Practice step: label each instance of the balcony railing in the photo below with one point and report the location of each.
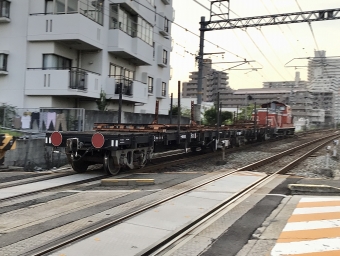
(126, 85)
(78, 79)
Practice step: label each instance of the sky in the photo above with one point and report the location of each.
(269, 47)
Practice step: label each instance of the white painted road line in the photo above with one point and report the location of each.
(312, 230)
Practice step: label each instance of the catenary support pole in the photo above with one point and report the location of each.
(218, 116)
(200, 70)
(179, 108)
(171, 105)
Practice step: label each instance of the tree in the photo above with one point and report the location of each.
(210, 116)
(185, 112)
(246, 112)
(102, 102)
(7, 112)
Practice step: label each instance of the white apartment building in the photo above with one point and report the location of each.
(213, 81)
(323, 77)
(63, 53)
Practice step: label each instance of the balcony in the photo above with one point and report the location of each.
(166, 2)
(73, 82)
(76, 30)
(132, 91)
(130, 48)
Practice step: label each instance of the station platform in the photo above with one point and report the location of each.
(312, 230)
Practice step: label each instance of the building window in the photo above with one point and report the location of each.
(166, 25)
(49, 6)
(130, 23)
(61, 6)
(165, 57)
(123, 77)
(163, 89)
(3, 62)
(92, 9)
(4, 8)
(150, 84)
(154, 49)
(52, 61)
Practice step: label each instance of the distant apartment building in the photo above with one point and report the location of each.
(286, 84)
(64, 53)
(213, 82)
(323, 80)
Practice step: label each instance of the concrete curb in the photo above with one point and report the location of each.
(297, 189)
(127, 182)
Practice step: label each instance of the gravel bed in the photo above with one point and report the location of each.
(313, 167)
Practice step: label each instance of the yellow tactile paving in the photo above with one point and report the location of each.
(312, 230)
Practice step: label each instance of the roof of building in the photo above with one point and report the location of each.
(267, 90)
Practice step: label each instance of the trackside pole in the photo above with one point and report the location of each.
(171, 105)
(327, 156)
(179, 113)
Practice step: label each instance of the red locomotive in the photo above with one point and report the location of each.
(275, 115)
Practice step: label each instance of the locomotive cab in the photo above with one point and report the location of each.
(275, 115)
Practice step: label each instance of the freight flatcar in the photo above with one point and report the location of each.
(132, 146)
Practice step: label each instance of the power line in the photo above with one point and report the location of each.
(289, 28)
(279, 27)
(253, 43)
(187, 30)
(310, 26)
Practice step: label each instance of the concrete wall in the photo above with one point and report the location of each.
(31, 153)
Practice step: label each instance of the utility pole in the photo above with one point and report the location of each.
(200, 71)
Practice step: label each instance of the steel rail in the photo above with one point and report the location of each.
(52, 246)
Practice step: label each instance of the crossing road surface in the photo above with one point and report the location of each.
(312, 230)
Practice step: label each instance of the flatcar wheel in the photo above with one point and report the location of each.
(109, 165)
(79, 166)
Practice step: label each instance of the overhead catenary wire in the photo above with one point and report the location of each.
(249, 38)
(310, 27)
(187, 30)
(255, 44)
(289, 28)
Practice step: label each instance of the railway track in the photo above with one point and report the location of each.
(162, 245)
(261, 166)
(160, 162)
